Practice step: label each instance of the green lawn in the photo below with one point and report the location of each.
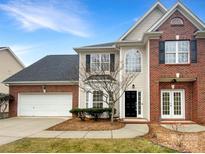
(30, 145)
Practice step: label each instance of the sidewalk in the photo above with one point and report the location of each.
(129, 131)
(191, 128)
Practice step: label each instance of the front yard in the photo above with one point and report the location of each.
(30, 145)
(76, 124)
(183, 142)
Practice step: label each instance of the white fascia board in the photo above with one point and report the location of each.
(78, 50)
(42, 83)
(172, 10)
(162, 7)
(13, 54)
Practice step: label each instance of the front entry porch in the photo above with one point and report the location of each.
(132, 107)
(176, 101)
(133, 104)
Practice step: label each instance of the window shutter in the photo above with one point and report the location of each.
(112, 62)
(87, 63)
(161, 52)
(193, 47)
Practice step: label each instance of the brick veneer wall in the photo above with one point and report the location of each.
(15, 90)
(195, 103)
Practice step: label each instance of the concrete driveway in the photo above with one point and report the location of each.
(16, 128)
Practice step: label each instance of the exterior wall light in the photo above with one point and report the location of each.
(44, 89)
(177, 75)
(172, 86)
(133, 86)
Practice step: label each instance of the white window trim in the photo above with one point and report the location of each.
(177, 53)
(171, 116)
(140, 115)
(98, 101)
(141, 56)
(100, 55)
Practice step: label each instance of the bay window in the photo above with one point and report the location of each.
(177, 52)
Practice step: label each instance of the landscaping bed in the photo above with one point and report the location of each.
(184, 142)
(31, 145)
(76, 124)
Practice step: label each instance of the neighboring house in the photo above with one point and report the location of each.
(166, 48)
(9, 65)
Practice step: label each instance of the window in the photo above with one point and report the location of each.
(87, 99)
(177, 21)
(110, 97)
(177, 52)
(139, 100)
(97, 99)
(100, 62)
(133, 61)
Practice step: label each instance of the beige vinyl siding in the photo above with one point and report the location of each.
(141, 81)
(82, 93)
(8, 67)
(138, 32)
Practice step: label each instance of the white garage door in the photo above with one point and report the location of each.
(53, 104)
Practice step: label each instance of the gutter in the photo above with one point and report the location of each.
(41, 83)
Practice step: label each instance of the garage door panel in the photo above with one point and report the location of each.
(44, 104)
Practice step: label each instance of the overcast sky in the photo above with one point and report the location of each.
(36, 28)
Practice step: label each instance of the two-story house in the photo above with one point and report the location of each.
(166, 48)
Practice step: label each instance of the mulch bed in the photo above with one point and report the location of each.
(76, 124)
(184, 142)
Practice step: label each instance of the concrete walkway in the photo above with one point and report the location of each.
(185, 127)
(13, 129)
(129, 131)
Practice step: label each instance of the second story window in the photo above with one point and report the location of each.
(177, 52)
(100, 62)
(133, 61)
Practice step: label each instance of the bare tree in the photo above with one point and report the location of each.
(4, 101)
(112, 83)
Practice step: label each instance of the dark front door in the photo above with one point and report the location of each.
(130, 104)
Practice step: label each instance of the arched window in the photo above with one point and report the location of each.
(133, 61)
(177, 21)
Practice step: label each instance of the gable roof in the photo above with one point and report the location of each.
(157, 5)
(52, 68)
(13, 54)
(185, 11)
(109, 44)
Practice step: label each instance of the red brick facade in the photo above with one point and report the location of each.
(15, 90)
(194, 91)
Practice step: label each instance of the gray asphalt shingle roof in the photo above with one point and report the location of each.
(49, 68)
(110, 44)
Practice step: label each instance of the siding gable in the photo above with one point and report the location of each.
(138, 32)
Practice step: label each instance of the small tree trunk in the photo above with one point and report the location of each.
(112, 114)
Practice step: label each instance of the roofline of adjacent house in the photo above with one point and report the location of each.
(142, 18)
(159, 22)
(41, 83)
(13, 54)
